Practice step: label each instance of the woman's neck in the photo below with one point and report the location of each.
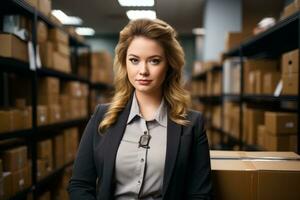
(148, 104)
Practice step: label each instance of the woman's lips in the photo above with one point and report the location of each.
(144, 82)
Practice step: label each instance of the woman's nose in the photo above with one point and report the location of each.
(144, 69)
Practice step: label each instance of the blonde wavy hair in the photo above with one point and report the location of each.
(176, 97)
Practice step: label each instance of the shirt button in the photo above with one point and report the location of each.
(139, 182)
(142, 160)
(145, 132)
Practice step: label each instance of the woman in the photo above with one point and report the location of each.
(145, 144)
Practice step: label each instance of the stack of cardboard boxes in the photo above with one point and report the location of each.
(279, 133)
(290, 9)
(48, 96)
(261, 76)
(13, 47)
(16, 118)
(71, 140)
(45, 158)
(231, 119)
(74, 100)
(16, 173)
(211, 85)
(101, 68)
(54, 48)
(44, 6)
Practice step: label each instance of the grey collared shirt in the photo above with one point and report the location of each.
(139, 171)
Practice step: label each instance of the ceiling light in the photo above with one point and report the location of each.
(65, 19)
(198, 31)
(127, 3)
(138, 14)
(85, 31)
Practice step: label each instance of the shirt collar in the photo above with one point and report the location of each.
(160, 115)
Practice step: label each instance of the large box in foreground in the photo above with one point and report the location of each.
(256, 176)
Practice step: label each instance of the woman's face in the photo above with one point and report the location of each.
(146, 65)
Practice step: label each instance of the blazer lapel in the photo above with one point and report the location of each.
(173, 140)
(114, 134)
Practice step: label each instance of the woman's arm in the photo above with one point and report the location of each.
(199, 182)
(82, 184)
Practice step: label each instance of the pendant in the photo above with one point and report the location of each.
(144, 141)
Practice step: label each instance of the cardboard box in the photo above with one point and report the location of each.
(255, 118)
(6, 121)
(251, 65)
(42, 115)
(84, 89)
(281, 142)
(290, 84)
(27, 117)
(41, 168)
(6, 186)
(20, 103)
(72, 89)
(71, 138)
(48, 86)
(261, 135)
(54, 113)
(57, 35)
(291, 9)
(20, 180)
(18, 122)
(281, 123)
(42, 32)
(61, 62)
(83, 107)
(15, 159)
(11, 120)
(46, 54)
(62, 48)
(33, 3)
(45, 7)
(251, 84)
(260, 180)
(64, 102)
(233, 39)
(290, 62)
(44, 152)
(50, 99)
(270, 80)
(13, 47)
(74, 105)
(58, 151)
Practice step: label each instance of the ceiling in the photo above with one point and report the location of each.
(108, 17)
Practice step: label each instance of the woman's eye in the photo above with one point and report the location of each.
(155, 61)
(133, 60)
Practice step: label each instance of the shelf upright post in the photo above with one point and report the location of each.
(298, 107)
(241, 96)
(33, 139)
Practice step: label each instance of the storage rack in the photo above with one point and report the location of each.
(281, 38)
(10, 65)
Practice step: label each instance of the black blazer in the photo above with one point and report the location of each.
(187, 172)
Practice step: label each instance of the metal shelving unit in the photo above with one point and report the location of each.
(281, 38)
(36, 133)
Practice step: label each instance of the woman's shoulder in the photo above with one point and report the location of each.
(101, 109)
(193, 115)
